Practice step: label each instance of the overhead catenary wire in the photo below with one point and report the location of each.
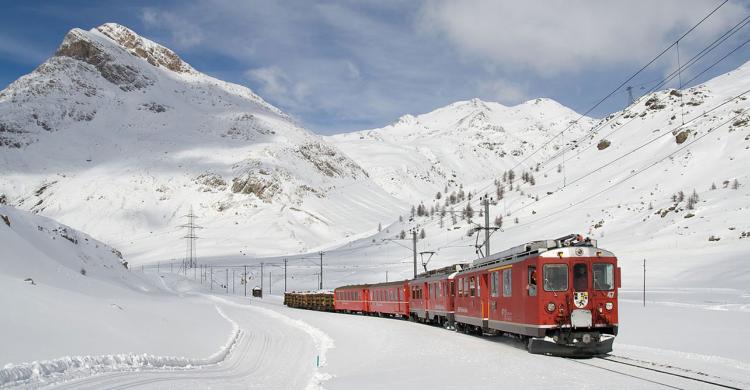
(714, 44)
(624, 83)
(513, 212)
(745, 21)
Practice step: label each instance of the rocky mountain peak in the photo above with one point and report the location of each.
(156, 55)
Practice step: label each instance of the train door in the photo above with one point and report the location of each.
(530, 303)
(484, 295)
(581, 314)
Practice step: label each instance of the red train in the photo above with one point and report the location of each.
(560, 295)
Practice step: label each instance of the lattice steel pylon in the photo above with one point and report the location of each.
(191, 258)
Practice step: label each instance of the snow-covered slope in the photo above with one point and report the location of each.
(463, 143)
(117, 136)
(66, 294)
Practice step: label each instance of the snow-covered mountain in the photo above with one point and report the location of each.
(116, 135)
(463, 143)
(642, 182)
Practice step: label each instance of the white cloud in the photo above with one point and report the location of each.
(278, 86)
(503, 91)
(183, 33)
(559, 36)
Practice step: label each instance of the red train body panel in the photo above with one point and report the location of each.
(351, 298)
(390, 298)
(433, 295)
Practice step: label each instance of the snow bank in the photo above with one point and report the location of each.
(77, 366)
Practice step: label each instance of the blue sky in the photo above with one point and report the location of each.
(343, 65)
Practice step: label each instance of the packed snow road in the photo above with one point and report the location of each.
(268, 344)
(279, 348)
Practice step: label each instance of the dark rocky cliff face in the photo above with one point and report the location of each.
(78, 47)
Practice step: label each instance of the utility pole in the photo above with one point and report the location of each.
(386, 276)
(486, 225)
(212, 278)
(270, 283)
(261, 280)
(644, 282)
(232, 281)
(414, 242)
(244, 280)
(321, 270)
(285, 260)
(226, 283)
(629, 88)
(191, 259)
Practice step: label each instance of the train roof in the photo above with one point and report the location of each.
(534, 248)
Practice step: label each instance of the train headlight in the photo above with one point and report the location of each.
(609, 306)
(551, 307)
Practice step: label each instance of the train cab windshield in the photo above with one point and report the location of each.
(580, 277)
(604, 276)
(555, 277)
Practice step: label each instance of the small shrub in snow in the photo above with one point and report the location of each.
(83, 271)
(5, 219)
(713, 238)
(735, 184)
(713, 186)
(603, 144)
(692, 201)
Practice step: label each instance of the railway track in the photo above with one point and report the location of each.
(615, 363)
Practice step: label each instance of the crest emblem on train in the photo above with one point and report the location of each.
(581, 299)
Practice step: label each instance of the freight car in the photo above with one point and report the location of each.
(317, 300)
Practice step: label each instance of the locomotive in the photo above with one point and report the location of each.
(559, 296)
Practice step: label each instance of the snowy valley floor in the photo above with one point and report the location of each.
(694, 333)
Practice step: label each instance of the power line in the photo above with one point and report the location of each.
(602, 100)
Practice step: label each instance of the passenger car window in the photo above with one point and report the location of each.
(493, 284)
(604, 276)
(507, 282)
(460, 287)
(580, 277)
(555, 277)
(471, 286)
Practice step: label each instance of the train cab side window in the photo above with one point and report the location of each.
(555, 277)
(580, 277)
(453, 288)
(604, 276)
(507, 290)
(460, 288)
(466, 287)
(532, 281)
(472, 286)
